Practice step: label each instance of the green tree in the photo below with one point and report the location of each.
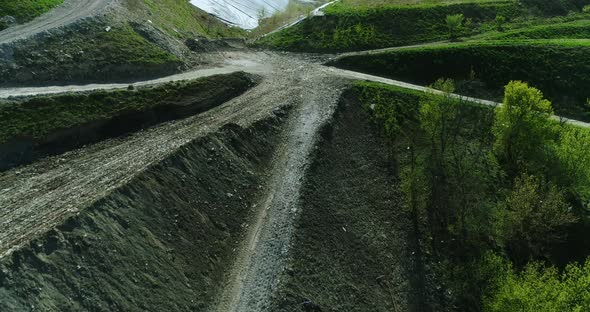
(534, 216)
(460, 165)
(522, 128)
(454, 24)
(573, 153)
(538, 288)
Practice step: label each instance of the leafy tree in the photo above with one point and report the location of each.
(522, 127)
(538, 288)
(533, 217)
(461, 168)
(454, 24)
(573, 153)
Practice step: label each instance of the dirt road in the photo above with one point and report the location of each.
(261, 260)
(67, 13)
(248, 62)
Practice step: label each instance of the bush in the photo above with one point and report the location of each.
(454, 23)
(533, 218)
(573, 152)
(522, 127)
(538, 288)
(500, 21)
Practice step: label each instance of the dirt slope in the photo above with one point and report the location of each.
(262, 257)
(352, 244)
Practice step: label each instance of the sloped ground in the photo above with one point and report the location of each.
(154, 219)
(108, 40)
(117, 225)
(68, 12)
(352, 246)
(160, 242)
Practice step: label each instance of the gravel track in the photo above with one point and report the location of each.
(261, 260)
(68, 12)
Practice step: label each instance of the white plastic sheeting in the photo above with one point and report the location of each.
(242, 13)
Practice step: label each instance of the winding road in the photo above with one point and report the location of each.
(68, 12)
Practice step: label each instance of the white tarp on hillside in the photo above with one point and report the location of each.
(243, 13)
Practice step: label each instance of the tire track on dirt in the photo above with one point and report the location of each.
(254, 276)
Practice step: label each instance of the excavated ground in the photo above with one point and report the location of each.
(200, 214)
(351, 247)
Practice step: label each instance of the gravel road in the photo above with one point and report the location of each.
(70, 11)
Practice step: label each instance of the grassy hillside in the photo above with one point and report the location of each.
(87, 53)
(26, 10)
(348, 28)
(557, 30)
(560, 68)
(180, 19)
(145, 40)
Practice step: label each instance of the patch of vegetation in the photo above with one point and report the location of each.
(537, 288)
(294, 10)
(26, 10)
(490, 190)
(568, 30)
(38, 117)
(345, 28)
(557, 67)
(181, 19)
(552, 7)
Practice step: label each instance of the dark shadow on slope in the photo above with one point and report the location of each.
(353, 248)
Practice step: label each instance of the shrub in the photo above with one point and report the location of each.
(454, 23)
(573, 152)
(500, 21)
(538, 288)
(533, 218)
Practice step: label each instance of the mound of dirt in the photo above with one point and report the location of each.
(351, 249)
(160, 243)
